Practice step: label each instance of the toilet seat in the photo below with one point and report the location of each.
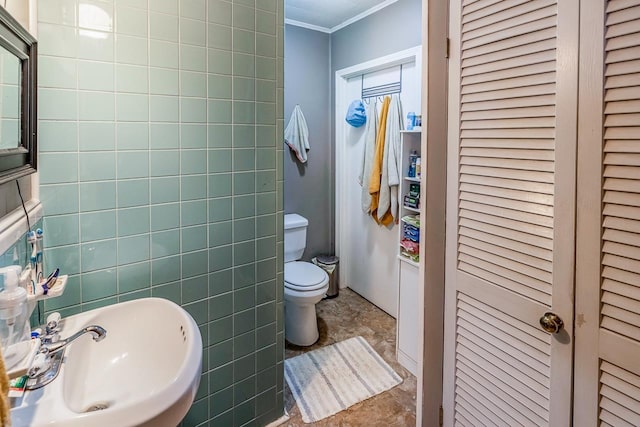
(304, 277)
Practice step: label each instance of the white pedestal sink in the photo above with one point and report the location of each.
(144, 373)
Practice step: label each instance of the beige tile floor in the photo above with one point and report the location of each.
(347, 316)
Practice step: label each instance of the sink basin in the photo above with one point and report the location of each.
(144, 373)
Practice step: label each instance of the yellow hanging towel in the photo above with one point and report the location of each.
(5, 413)
(376, 170)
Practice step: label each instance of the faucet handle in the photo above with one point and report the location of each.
(52, 323)
(41, 364)
(51, 329)
(54, 317)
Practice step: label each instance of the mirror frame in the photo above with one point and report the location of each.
(22, 160)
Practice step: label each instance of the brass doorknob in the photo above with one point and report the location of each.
(551, 323)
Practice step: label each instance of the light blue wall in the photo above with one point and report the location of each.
(395, 28)
(161, 175)
(307, 71)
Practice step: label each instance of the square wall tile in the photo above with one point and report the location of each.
(56, 168)
(99, 255)
(134, 277)
(134, 192)
(164, 190)
(98, 225)
(131, 21)
(60, 198)
(98, 166)
(99, 284)
(54, 72)
(57, 136)
(62, 230)
(133, 249)
(96, 136)
(133, 221)
(132, 50)
(132, 107)
(163, 54)
(164, 135)
(194, 187)
(163, 27)
(132, 136)
(94, 75)
(97, 196)
(165, 243)
(133, 164)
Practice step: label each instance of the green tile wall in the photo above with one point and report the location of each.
(161, 175)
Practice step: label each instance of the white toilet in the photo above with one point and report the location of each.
(305, 284)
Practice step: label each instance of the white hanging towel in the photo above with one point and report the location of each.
(367, 157)
(296, 135)
(391, 162)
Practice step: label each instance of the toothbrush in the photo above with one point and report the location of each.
(39, 269)
(50, 282)
(31, 238)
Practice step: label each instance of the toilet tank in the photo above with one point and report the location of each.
(295, 236)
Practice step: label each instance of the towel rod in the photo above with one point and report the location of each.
(381, 90)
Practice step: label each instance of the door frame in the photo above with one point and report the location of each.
(342, 76)
(435, 23)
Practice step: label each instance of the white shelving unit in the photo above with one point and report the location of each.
(408, 304)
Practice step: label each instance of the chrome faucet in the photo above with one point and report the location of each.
(98, 335)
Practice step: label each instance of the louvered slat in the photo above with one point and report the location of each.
(500, 242)
(508, 203)
(516, 25)
(620, 394)
(521, 102)
(521, 258)
(624, 15)
(621, 68)
(626, 199)
(502, 376)
(520, 40)
(615, 5)
(530, 378)
(621, 209)
(615, 287)
(500, 191)
(509, 113)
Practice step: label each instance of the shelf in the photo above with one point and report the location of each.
(411, 209)
(56, 291)
(412, 179)
(408, 261)
(410, 223)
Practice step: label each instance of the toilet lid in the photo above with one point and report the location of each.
(304, 276)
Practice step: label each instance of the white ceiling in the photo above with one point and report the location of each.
(330, 15)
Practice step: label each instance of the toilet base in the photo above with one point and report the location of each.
(300, 324)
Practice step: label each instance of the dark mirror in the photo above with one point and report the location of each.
(18, 59)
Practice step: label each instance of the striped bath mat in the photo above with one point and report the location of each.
(327, 380)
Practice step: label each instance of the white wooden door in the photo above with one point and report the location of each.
(607, 335)
(510, 211)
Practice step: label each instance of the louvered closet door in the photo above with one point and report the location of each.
(511, 211)
(607, 362)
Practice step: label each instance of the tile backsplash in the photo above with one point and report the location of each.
(160, 124)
